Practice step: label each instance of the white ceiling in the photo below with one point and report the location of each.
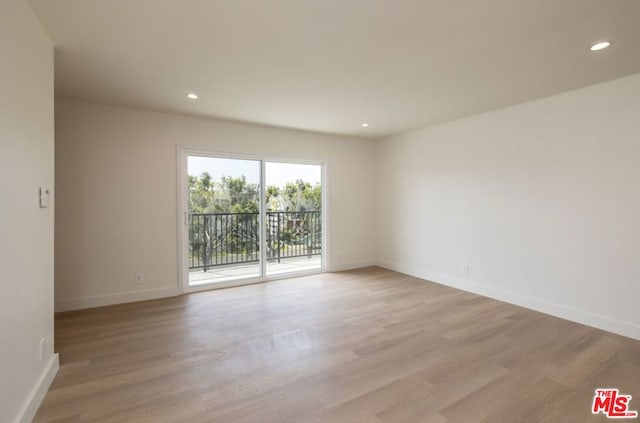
(329, 65)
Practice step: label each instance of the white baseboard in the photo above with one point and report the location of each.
(627, 329)
(352, 265)
(33, 401)
(120, 298)
(152, 294)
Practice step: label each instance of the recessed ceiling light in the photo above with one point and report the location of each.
(365, 124)
(600, 46)
(192, 96)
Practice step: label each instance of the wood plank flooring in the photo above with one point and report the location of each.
(368, 345)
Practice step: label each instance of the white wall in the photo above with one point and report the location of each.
(116, 191)
(26, 231)
(540, 200)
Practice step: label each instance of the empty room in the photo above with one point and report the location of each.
(358, 211)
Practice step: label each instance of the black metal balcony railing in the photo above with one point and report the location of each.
(218, 239)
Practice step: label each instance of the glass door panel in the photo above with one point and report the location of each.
(293, 217)
(224, 242)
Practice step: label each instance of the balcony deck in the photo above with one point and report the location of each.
(251, 270)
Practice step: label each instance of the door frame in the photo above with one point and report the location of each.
(182, 217)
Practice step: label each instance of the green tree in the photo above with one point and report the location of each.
(294, 196)
(241, 233)
(229, 194)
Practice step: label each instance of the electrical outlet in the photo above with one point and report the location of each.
(139, 277)
(45, 347)
(466, 271)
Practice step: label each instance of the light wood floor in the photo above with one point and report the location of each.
(368, 345)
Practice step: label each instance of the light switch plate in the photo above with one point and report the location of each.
(44, 198)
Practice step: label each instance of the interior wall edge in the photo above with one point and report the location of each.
(37, 394)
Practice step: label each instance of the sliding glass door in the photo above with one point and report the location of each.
(293, 218)
(223, 219)
(245, 220)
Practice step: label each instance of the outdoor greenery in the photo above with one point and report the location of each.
(217, 237)
(294, 196)
(236, 195)
(229, 194)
